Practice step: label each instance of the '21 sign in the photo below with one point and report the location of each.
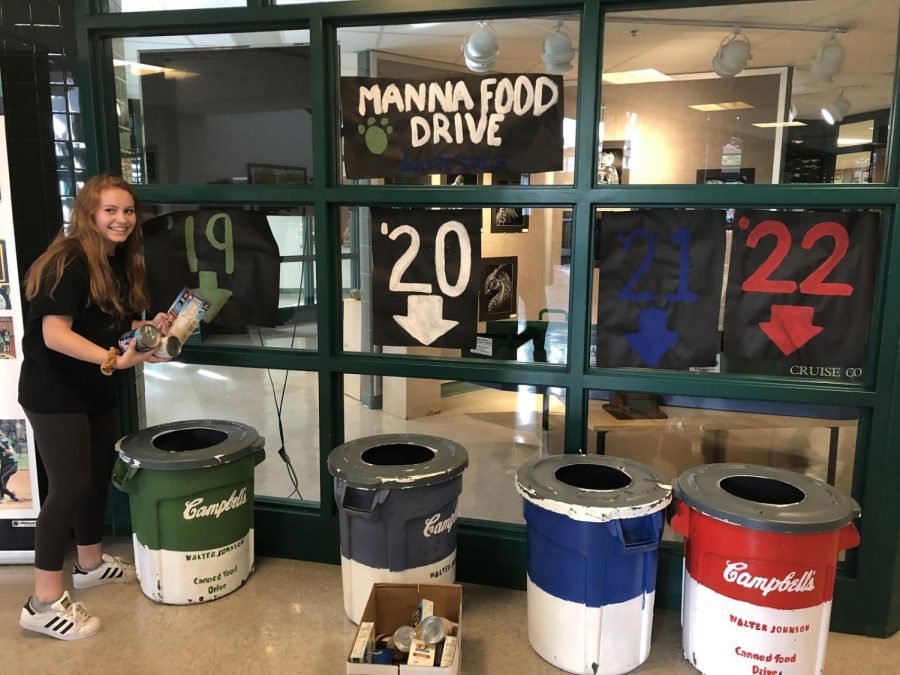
(424, 291)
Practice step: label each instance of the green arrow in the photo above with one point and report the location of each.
(215, 296)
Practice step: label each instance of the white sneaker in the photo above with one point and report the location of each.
(113, 569)
(65, 619)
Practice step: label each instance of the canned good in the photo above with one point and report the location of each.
(169, 347)
(403, 638)
(147, 337)
(434, 629)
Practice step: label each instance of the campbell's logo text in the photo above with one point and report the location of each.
(196, 509)
(736, 573)
(434, 524)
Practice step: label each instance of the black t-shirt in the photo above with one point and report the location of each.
(51, 382)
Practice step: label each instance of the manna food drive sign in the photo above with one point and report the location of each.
(470, 124)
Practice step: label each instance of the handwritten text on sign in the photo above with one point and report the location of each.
(660, 288)
(423, 289)
(800, 289)
(467, 124)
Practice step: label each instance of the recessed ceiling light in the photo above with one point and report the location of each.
(770, 125)
(714, 107)
(635, 76)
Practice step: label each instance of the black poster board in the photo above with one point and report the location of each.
(801, 287)
(425, 276)
(229, 257)
(660, 288)
(466, 124)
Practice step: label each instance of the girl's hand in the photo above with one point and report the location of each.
(132, 357)
(163, 322)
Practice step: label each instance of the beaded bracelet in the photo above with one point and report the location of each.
(108, 367)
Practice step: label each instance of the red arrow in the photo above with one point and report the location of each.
(790, 327)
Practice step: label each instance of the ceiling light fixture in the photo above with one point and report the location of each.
(558, 50)
(481, 49)
(635, 76)
(828, 60)
(732, 55)
(835, 111)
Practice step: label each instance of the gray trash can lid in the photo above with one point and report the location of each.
(765, 498)
(189, 444)
(397, 461)
(593, 488)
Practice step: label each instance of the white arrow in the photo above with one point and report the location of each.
(424, 318)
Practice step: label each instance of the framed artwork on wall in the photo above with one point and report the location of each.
(612, 167)
(725, 176)
(497, 292)
(509, 219)
(456, 179)
(275, 174)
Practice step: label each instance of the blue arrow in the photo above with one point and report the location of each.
(652, 339)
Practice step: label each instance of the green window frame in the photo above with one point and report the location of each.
(861, 604)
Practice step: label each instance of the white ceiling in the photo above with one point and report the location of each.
(633, 41)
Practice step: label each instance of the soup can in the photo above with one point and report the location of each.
(403, 638)
(147, 336)
(434, 629)
(169, 347)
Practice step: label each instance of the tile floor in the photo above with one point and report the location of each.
(289, 618)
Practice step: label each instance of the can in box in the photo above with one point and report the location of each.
(761, 547)
(594, 525)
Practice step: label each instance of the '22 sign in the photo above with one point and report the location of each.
(660, 286)
(424, 291)
(801, 286)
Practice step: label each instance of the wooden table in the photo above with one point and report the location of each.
(717, 423)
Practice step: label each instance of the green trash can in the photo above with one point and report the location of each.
(190, 487)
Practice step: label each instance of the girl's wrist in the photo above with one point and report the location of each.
(110, 364)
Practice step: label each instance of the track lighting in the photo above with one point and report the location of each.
(732, 55)
(558, 50)
(828, 60)
(481, 49)
(835, 111)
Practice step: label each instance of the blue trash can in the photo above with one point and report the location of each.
(396, 496)
(594, 525)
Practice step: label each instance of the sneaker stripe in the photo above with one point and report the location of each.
(107, 572)
(51, 624)
(65, 630)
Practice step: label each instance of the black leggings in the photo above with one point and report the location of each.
(6, 473)
(77, 451)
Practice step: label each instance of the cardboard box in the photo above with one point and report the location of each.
(392, 605)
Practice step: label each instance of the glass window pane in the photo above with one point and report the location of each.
(176, 391)
(292, 232)
(500, 426)
(182, 121)
(432, 52)
(766, 292)
(772, 117)
(673, 433)
(515, 305)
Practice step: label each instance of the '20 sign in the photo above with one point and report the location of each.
(424, 286)
(814, 283)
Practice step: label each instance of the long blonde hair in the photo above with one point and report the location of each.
(84, 237)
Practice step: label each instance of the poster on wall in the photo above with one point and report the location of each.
(467, 124)
(425, 276)
(800, 290)
(228, 257)
(660, 285)
(19, 500)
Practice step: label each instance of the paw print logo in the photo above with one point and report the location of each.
(376, 134)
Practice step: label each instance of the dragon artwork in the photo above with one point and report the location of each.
(498, 288)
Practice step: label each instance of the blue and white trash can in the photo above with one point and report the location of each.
(396, 496)
(594, 526)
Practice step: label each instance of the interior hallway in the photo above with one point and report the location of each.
(289, 618)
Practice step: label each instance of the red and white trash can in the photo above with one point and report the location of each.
(761, 547)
